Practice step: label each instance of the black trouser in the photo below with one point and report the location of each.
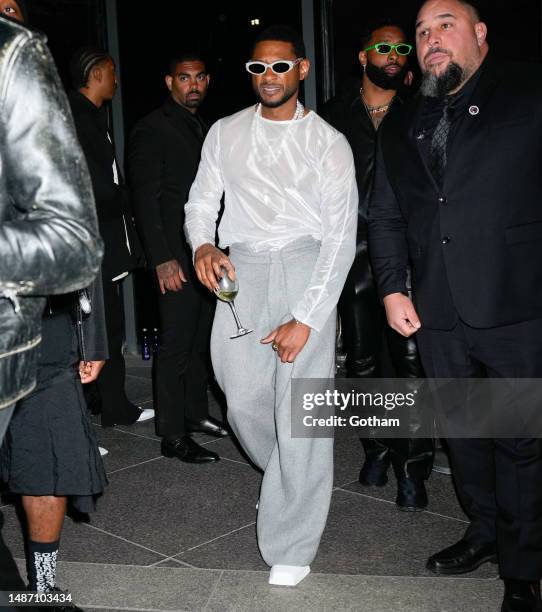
(499, 481)
(181, 365)
(364, 330)
(115, 406)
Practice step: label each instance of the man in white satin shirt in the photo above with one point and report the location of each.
(290, 223)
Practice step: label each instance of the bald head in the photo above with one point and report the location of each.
(467, 9)
(470, 8)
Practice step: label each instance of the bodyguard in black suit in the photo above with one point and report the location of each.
(459, 192)
(164, 153)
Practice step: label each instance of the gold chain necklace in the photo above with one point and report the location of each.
(373, 110)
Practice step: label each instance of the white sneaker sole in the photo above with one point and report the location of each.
(288, 575)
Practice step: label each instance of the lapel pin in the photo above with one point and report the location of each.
(474, 110)
(420, 136)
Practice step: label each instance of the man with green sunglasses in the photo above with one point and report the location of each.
(359, 113)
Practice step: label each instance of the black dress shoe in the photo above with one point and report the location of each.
(187, 450)
(209, 426)
(461, 558)
(411, 495)
(521, 596)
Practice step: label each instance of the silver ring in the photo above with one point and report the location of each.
(275, 347)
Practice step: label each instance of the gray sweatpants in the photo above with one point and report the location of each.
(298, 473)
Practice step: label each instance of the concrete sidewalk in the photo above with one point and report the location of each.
(175, 536)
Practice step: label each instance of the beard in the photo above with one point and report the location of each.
(193, 102)
(382, 79)
(438, 86)
(287, 95)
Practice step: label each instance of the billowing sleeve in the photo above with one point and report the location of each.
(49, 243)
(339, 214)
(203, 206)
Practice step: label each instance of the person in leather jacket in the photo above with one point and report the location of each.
(49, 240)
(358, 113)
(49, 244)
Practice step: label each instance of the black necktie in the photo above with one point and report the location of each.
(439, 142)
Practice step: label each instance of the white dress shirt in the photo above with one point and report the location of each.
(282, 180)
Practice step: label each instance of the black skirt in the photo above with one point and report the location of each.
(50, 447)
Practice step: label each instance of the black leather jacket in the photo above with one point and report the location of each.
(49, 241)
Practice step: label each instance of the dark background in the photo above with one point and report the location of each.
(68, 24)
(221, 30)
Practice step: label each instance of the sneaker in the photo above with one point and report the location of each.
(146, 415)
(288, 575)
(103, 451)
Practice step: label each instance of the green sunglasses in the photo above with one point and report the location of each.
(386, 48)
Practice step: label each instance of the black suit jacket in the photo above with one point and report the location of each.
(476, 244)
(163, 158)
(112, 201)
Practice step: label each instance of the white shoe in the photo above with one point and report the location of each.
(103, 451)
(146, 415)
(288, 575)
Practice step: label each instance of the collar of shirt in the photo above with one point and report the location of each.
(460, 99)
(180, 113)
(433, 107)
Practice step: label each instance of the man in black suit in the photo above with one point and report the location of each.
(94, 81)
(164, 154)
(458, 191)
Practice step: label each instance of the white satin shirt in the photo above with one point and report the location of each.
(282, 180)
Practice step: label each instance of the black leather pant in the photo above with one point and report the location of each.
(364, 332)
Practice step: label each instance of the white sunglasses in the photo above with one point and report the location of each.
(278, 67)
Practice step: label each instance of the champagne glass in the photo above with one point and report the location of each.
(226, 291)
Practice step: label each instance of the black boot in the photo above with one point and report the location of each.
(411, 495)
(377, 461)
(412, 460)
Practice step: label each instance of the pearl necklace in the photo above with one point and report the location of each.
(299, 110)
